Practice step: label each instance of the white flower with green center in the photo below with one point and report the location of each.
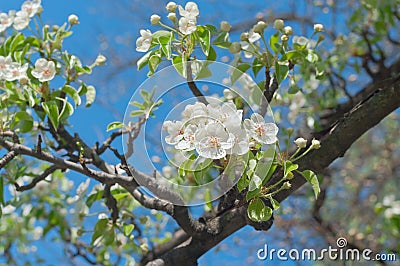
(187, 142)
(175, 131)
(44, 70)
(143, 43)
(264, 133)
(212, 141)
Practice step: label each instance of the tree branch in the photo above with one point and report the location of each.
(37, 179)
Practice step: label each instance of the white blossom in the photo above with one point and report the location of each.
(187, 25)
(175, 131)
(187, 142)
(191, 10)
(31, 7)
(6, 20)
(227, 114)
(279, 24)
(253, 36)
(82, 188)
(21, 20)
(16, 72)
(264, 133)
(44, 70)
(240, 142)
(143, 43)
(213, 141)
(5, 63)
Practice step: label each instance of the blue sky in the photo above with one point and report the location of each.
(102, 20)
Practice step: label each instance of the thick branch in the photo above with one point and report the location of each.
(353, 125)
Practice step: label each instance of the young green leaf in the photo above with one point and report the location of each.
(312, 178)
(281, 71)
(258, 212)
(23, 121)
(128, 228)
(73, 94)
(204, 36)
(51, 109)
(114, 125)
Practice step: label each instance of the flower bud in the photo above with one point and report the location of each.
(288, 30)
(259, 27)
(23, 80)
(172, 16)
(315, 144)
(290, 131)
(225, 26)
(286, 185)
(73, 19)
(278, 24)
(171, 6)
(55, 28)
(228, 94)
(235, 48)
(301, 143)
(155, 19)
(244, 36)
(284, 38)
(318, 27)
(100, 60)
(289, 176)
(321, 38)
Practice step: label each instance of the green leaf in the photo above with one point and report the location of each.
(51, 109)
(294, 88)
(144, 60)
(99, 229)
(66, 111)
(274, 42)
(275, 204)
(312, 178)
(128, 228)
(165, 44)
(94, 197)
(90, 95)
(137, 113)
(242, 183)
(161, 33)
(212, 55)
(238, 72)
(180, 65)
(255, 182)
(23, 121)
(252, 194)
(114, 125)
(258, 212)
(154, 61)
(204, 36)
(289, 167)
(257, 66)
(281, 71)
(73, 94)
(120, 196)
(222, 40)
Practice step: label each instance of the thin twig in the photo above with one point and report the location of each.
(37, 179)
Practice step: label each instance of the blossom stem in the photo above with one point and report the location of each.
(302, 155)
(170, 28)
(294, 154)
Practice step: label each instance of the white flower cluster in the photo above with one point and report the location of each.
(44, 70)
(20, 19)
(187, 23)
(217, 130)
